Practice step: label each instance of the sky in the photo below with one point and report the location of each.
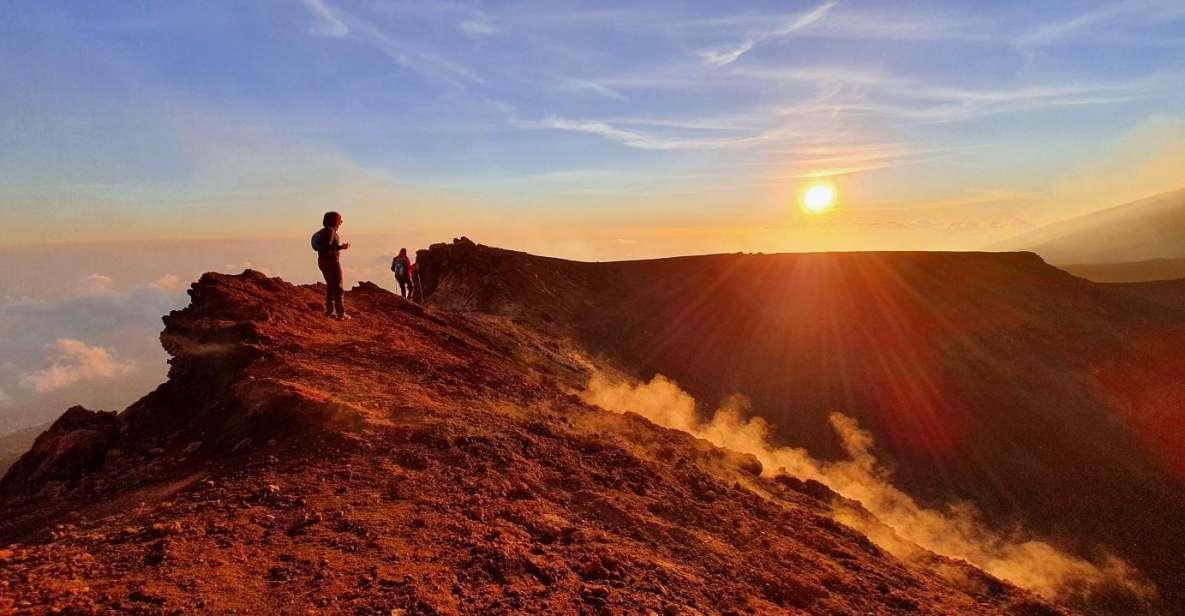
(142, 143)
(588, 130)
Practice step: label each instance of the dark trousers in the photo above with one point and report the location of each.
(332, 270)
(404, 285)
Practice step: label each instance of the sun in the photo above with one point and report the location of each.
(817, 198)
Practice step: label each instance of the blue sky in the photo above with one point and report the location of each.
(690, 126)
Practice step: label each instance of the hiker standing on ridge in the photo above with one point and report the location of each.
(329, 246)
(401, 265)
(413, 274)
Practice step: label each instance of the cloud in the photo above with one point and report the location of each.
(846, 159)
(804, 20)
(854, 91)
(76, 362)
(168, 282)
(5, 399)
(608, 131)
(899, 524)
(1108, 15)
(337, 23)
(97, 284)
(648, 141)
(592, 86)
(426, 63)
(327, 23)
(728, 55)
(848, 22)
(843, 96)
(103, 343)
(477, 28)
(898, 24)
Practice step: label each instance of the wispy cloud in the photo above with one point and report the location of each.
(577, 85)
(1106, 16)
(846, 159)
(338, 23)
(739, 121)
(842, 93)
(580, 175)
(651, 141)
(845, 22)
(819, 75)
(427, 63)
(857, 91)
(899, 23)
(728, 55)
(477, 29)
(327, 24)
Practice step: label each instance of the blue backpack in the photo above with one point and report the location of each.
(318, 241)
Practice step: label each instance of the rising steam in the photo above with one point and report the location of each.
(956, 531)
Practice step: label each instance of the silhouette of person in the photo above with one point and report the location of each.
(329, 246)
(401, 265)
(414, 282)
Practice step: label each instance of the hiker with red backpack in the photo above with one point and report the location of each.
(402, 267)
(329, 246)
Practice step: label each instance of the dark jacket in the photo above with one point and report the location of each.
(332, 244)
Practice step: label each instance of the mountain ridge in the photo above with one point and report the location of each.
(1046, 400)
(414, 461)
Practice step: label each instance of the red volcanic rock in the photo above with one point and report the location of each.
(1047, 401)
(75, 444)
(413, 461)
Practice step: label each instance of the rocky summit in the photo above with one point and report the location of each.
(421, 460)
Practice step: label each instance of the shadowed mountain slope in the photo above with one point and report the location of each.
(1043, 399)
(420, 462)
(1168, 293)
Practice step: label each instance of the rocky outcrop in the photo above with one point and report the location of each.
(211, 396)
(474, 277)
(76, 443)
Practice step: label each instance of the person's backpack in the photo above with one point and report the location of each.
(399, 267)
(318, 241)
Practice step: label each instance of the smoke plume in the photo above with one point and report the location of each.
(956, 531)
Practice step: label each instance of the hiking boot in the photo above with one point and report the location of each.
(343, 317)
